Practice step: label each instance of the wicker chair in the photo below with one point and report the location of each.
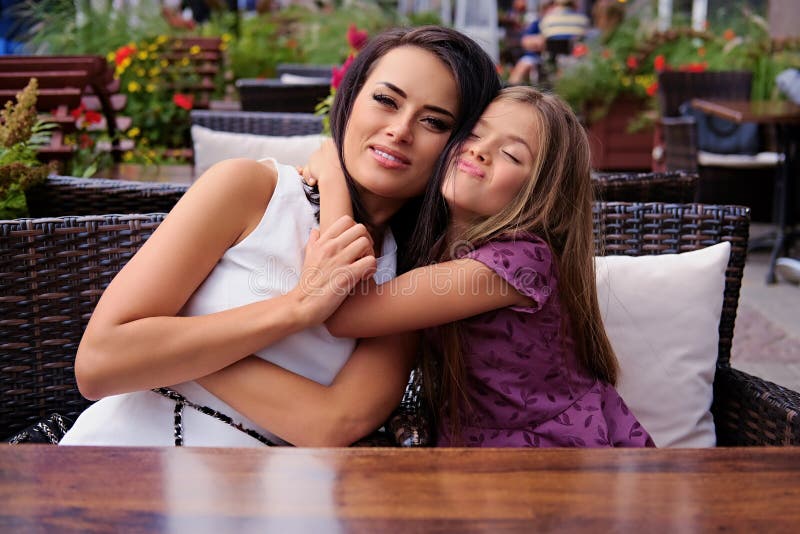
(719, 182)
(673, 186)
(274, 95)
(259, 122)
(302, 69)
(53, 271)
(64, 195)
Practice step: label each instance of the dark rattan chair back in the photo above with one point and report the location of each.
(673, 186)
(53, 271)
(302, 69)
(677, 87)
(274, 95)
(64, 195)
(259, 122)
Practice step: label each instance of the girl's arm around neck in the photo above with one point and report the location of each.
(306, 413)
(136, 341)
(422, 298)
(324, 167)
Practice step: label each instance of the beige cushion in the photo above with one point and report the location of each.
(662, 316)
(211, 146)
(739, 161)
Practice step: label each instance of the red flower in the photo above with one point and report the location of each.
(77, 112)
(659, 63)
(183, 101)
(356, 38)
(85, 141)
(729, 35)
(338, 72)
(92, 117)
(632, 62)
(122, 53)
(652, 89)
(580, 50)
(695, 67)
(606, 53)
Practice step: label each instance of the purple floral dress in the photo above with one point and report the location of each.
(525, 385)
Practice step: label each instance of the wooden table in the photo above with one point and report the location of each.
(785, 116)
(96, 489)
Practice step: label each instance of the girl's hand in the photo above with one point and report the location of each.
(323, 165)
(336, 261)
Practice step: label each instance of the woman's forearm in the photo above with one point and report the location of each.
(122, 358)
(306, 413)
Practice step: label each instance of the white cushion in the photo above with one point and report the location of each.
(662, 317)
(294, 79)
(211, 146)
(739, 161)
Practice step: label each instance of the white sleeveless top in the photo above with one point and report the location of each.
(265, 264)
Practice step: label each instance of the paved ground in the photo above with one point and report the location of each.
(766, 341)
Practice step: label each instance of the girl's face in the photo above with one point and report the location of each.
(401, 120)
(494, 163)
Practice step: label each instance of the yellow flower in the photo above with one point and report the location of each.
(134, 132)
(194, 50)
(226, 37)
(110, 56)
(150, 87)
(185, 62)
(127, 156)
(126, 63)
(140, 72)
(134, 87)
(164, 63)
(142, 55)
(223, 46)
(161, 39)
(152, 48)
(155, 71)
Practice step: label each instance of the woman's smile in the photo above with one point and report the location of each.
(388, 158)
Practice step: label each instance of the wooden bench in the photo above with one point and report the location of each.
(64, 83)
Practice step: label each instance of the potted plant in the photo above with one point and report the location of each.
(612, 82)
(21, 132)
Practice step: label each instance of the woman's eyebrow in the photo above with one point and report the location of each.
(402, 93)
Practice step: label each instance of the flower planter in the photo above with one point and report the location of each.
(613, 147)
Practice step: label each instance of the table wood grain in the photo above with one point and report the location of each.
(95, 489)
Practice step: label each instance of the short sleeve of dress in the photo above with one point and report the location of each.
(525, 262)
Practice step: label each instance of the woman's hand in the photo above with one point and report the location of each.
(336, 260)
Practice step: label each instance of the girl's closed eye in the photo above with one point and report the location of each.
(511, 156)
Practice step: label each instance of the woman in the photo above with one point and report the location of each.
(224, 276)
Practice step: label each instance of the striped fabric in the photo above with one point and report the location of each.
(564, 22)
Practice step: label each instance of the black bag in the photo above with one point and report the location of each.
(722, 136)
(49, 430)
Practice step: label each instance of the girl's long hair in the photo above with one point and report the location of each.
(555, 205)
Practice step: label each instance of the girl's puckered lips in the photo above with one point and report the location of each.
(470, 168)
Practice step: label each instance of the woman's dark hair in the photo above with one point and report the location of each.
(477, 82)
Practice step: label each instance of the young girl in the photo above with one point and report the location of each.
(521, 357)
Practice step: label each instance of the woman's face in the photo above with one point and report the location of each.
(401, 120)
(494, 163)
